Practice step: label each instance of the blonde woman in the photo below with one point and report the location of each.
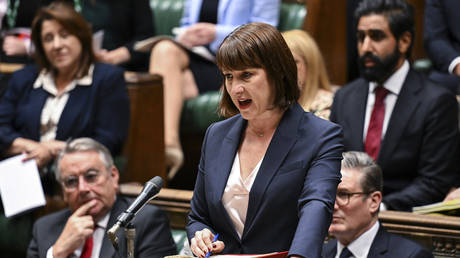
(315, 89)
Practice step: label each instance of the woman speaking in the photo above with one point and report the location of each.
(268, 175)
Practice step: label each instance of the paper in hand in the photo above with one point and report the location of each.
(20, 185)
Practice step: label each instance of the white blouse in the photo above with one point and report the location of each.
(236, 195)
(55, 103)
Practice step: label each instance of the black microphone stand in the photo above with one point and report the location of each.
(150, 190)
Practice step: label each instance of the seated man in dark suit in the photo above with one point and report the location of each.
(355, 220)
(90, 183)
(442, 41)
(405, 122)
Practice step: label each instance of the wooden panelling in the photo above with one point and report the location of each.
(418, 50)
(326, 22)
(144, 148)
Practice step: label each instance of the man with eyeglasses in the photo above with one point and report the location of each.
(355, 219)
(90, 183)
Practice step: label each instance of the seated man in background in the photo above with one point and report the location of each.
(442, 41)
(355, 220)
(90, 183)
(407, 124)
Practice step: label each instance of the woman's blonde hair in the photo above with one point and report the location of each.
(302, 44)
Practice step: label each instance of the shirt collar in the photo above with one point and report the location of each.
(360, 247)
(104, 221)
(395, 82)
(46, 80)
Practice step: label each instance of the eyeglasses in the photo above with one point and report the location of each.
(343, 198)
(91, 177)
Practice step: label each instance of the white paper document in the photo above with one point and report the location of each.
(20, 185)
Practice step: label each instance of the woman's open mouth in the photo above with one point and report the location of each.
(244, 103)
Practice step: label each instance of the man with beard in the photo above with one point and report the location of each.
(402, 120)
(89, 183)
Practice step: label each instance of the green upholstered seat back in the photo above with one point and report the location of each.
(167, 15)
(292, 16)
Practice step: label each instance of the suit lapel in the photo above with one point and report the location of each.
(72, 110)
(357, 114)
(279, 147)
(39, 97)
(380, 244)
(107, 249)
(330, 249)
(226, 156)
(406, 104)
(195, 7)
(221, 10)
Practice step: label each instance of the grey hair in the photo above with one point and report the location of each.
(371, 174)
(82, 145)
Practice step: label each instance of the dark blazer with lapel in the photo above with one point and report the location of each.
(442, 40)
(418, 153)
(385, 245)
(292, 198)
(153, 235)
(99, 111)
(442, 32)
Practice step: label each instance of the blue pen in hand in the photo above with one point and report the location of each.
(214, 240)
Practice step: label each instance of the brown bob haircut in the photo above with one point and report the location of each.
(259, 45)
(74, 24)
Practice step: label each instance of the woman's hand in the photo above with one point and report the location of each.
(453, 194)
(115, 57)
(198, 34)
(14, 46)
(40, 153)
(54, 146)
(202, 243)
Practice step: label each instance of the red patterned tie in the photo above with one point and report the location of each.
(374, 131)
(87, 248)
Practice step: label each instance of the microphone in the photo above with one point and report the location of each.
(150, 190)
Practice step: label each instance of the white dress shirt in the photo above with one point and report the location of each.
(55, 103)
(453, 64)
(393, 84)
(360, 246)
(98, 237)
(236, 195)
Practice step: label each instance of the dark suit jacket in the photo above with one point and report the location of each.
(153, 235)
(385, 245)
(292, 198)
(100, 111)
(418, 153)
(442, 32)
(124, 23)
(442, 39)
